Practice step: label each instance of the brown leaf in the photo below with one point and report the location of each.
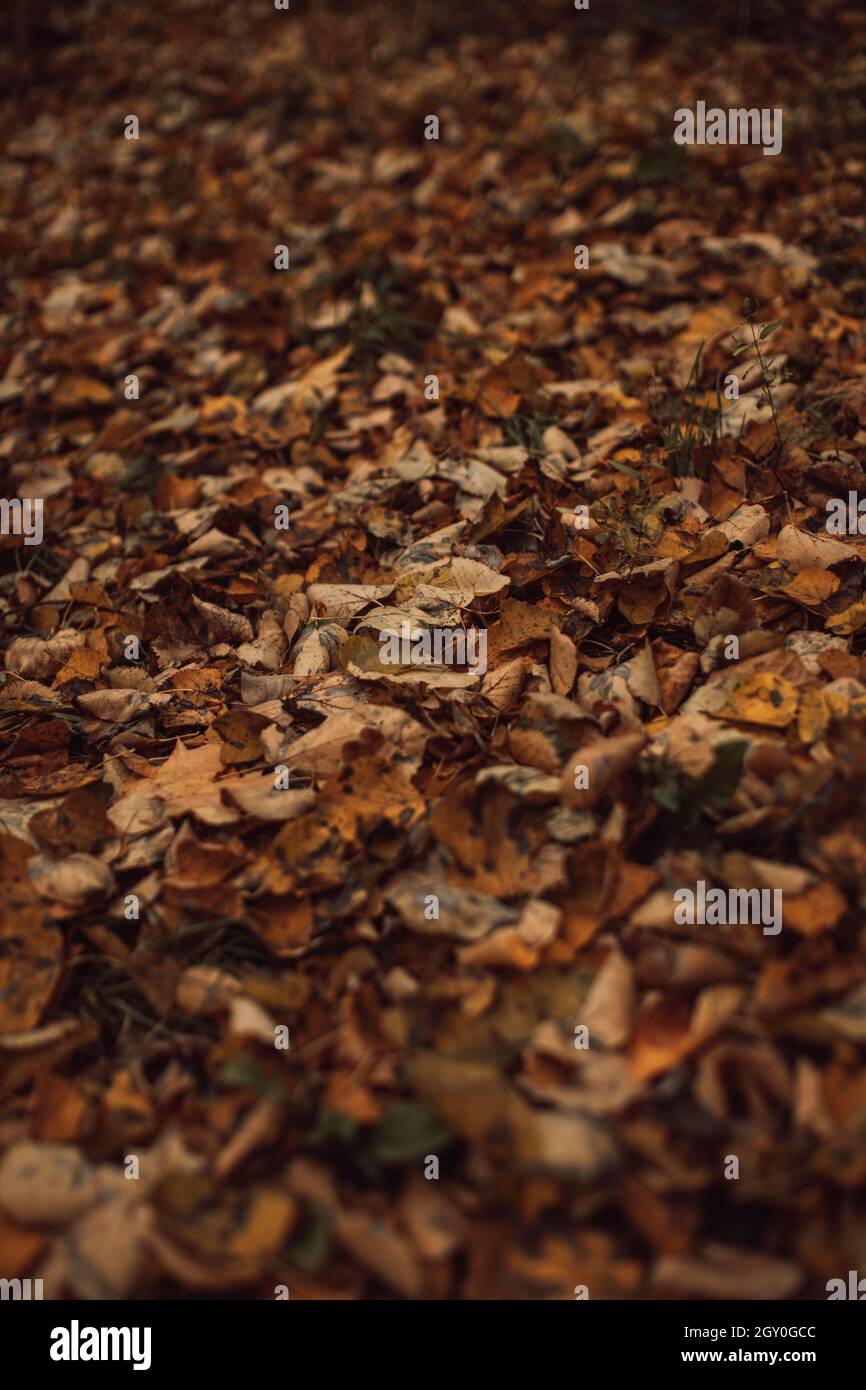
(563, 662)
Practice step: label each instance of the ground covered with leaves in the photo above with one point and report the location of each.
(285, 929)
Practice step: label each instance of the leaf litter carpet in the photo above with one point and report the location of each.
(360, 979)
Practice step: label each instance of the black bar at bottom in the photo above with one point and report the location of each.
(68, 1339)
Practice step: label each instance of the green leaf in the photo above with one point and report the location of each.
(666, 792)
(331, 1126)
(689, 797)
(243, 1073)
(769, 328)
(623, 468)
(312, 1248)
(715, 788)
(663, 164)
(409, 1130)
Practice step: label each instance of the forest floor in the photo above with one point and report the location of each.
(328, 968)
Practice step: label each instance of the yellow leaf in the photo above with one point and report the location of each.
(83, 665)
(762, 699)
(814, 716)
(818, 909)
(849, 620)
(812, 585)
